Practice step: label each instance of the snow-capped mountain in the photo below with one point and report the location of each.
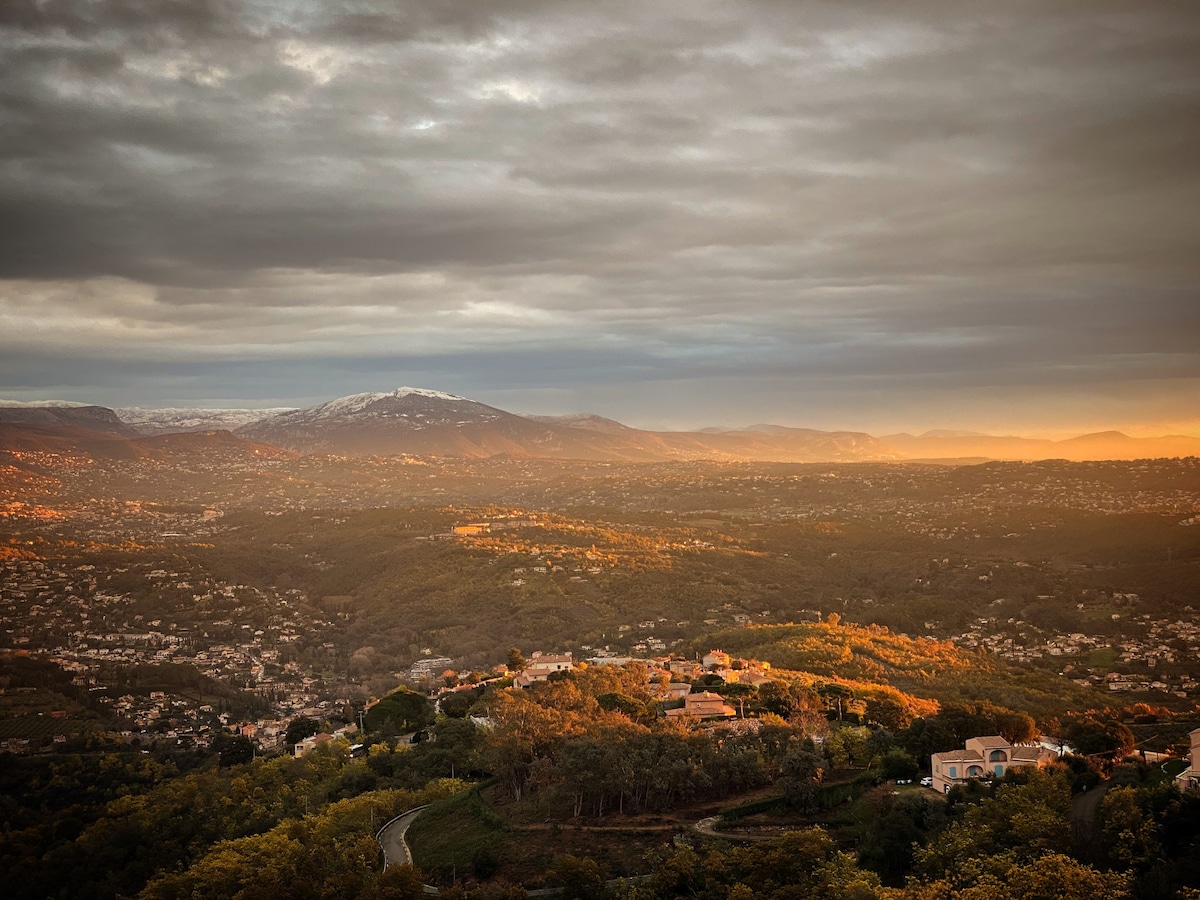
(172, 419)
(406, 420)
(412, 407)
(426, 422)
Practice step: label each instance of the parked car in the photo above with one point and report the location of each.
(927, 781)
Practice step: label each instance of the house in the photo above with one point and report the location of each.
(541, 666)
(703, 705)
(686, 668)
(311, 743)
(716, 659)
(750, 677)
(427, 668)
(1189, 778)
(983, 757)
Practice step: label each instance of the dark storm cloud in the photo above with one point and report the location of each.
(905, 198)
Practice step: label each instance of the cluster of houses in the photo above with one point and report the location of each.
(1152, 662)
(696, 704)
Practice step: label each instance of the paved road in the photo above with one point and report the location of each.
(391, 839)
(1084, 806)
(705, 826)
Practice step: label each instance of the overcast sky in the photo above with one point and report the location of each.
(677, 214)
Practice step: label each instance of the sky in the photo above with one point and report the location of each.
(874, 216)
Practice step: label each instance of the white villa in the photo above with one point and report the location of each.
(989, 756)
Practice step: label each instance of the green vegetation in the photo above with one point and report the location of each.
(399, 712)
(107, 824)
(458, 834)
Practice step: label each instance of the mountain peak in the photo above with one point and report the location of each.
(377, 421)
(425, 392)
(356, 404)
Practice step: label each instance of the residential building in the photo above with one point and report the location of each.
(311, 743)
(716, 659)
(703, 705)
(1189, 778)
(541, 666)
(984, 757)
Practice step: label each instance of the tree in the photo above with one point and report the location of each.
(1092, 737)
(232, 749)
(896, 765)
(1058, 877)
(891, 714)
(300, 728)
(458, 704)
(890, 834)
(579, 877)
(398, 883)
(516, 662)
(406, 710)
(836, 696)
(1023, 817)
(802, 769)
(1128, 834)
(622, 703)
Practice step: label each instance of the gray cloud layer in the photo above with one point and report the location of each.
(669, 212)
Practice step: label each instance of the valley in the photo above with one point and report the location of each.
(208, 604)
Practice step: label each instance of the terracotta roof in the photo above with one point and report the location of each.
(1030, 753)
(991, 741)
(963, 756)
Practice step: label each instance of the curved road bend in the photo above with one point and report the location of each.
(391, 839)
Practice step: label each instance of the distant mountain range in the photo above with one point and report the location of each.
(57, 414)
(425, 422)
(171, 419)
(1101, 445)
(75, 439)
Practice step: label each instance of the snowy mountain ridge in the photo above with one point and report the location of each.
(358, 403)
(176, 418)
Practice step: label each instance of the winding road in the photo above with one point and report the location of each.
(391, 839)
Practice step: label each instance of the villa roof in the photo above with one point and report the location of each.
(958, 756)
(991, 741)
